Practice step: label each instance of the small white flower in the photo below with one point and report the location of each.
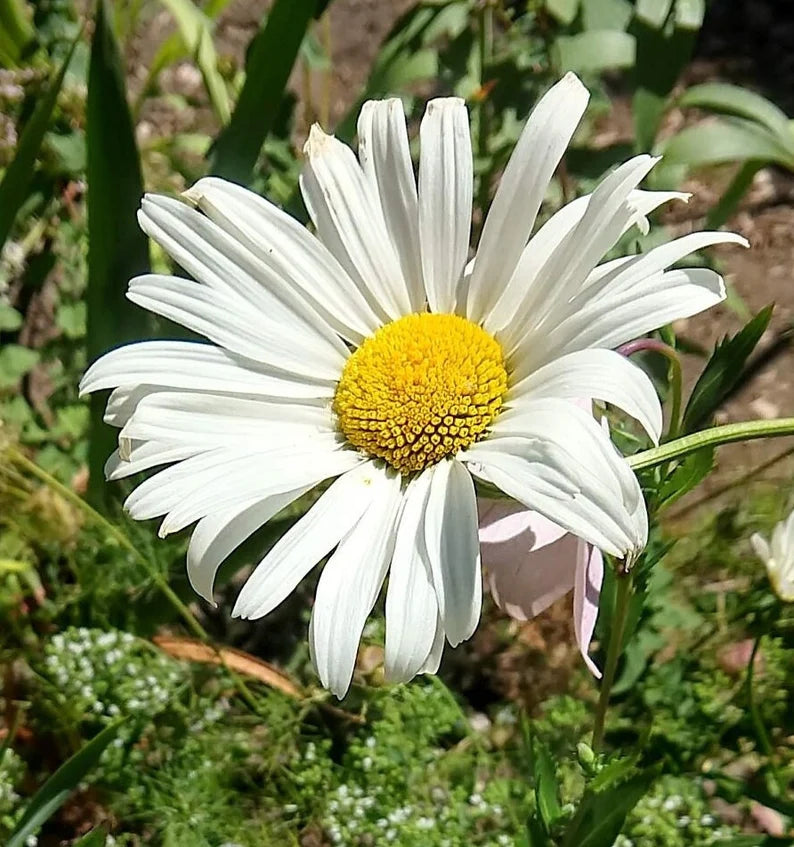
(377, 356)
(778, 556)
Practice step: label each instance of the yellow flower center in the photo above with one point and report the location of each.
(421, 388)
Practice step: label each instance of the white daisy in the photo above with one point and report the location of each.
(778, 556)
(373, 356)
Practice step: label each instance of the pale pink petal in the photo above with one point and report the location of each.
(529, 562)
(587, 588)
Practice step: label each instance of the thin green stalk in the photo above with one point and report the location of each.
(675, 375)
(714, 437)
(100, 520)
(755, 716)
(614, 649)
(485, 52)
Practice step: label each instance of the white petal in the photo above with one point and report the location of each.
(143, 457)
(193, 366)
(290, 252)
(637, 272)
(229, 321)
(411, 605)
(386, 159)
(522, 189)
(349, 585)
(607, 214)
(609, 321)
(566, 468)
(349, 220)
(219, 260)
(215, 421)
(761, 547)
(433, 660)
(446, 180)
(312, 537)
(548, 238)
(218, 534)
(453, 548)
(223, 478)
(591, 375)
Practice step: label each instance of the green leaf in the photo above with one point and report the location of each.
(96, 838)
(406, 56)
(689, 474)
(733, 100)
(71, 319)
(689, 14)
(10, 319)
(55, 791)
(15, 362)
(271, 56)
(195, 29)
(723, 372)
(563, 10)
(18, 175)
(546, 793)
(595, 50)
(731, 197)
(653, 12)
(117, 249)
(729, 140)
(604, 812)
(606, 14)
(16, 31)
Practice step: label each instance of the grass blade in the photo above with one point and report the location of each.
(117, 250)
(53, 794)
(18, 175)
(271, 55)
(16, 31)
(195, 29)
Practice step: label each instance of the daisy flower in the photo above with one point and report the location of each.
(778, 556)
(375, 360)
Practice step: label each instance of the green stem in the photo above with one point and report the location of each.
(485, 45)
(100, 520)
(614, 649)
(112, 530)
(755, 716)
(714, 437)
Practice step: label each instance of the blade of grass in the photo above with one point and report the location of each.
(195, 29)
(53, 794)
(16, 31)
(18, 175)
(117, 249)
(271, 56)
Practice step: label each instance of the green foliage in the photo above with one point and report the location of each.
(17, 178)
(54, 793)
(118, 250)
(271, 55)
(723, 372)
(195, 30)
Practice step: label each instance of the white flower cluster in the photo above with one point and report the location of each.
(107, 674)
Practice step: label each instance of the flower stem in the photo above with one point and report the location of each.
(714, 437)
(755, 716)
(675, 375)
(614, 649)
(485, 45)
